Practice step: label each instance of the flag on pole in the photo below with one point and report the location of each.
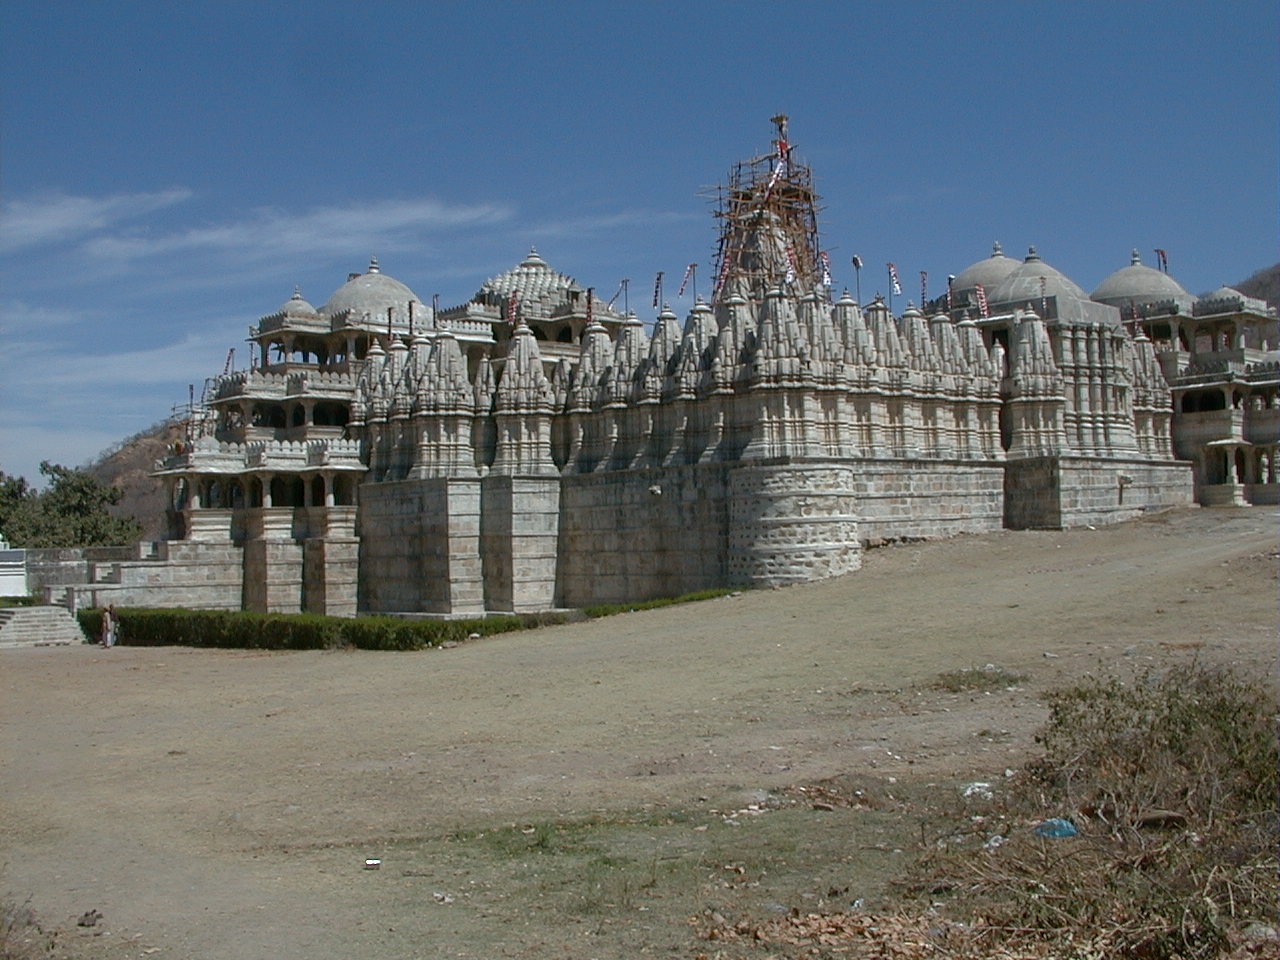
(951, 278)
(981, 291)
(513, 305)
(1162, 258)
(857, 262)
(924, 288)
(657, 289)
(791, 264)
(826, 267)
(614, 298)
(591, 304)
(1044, 299)
(724, 275)
(688, 272)
(893, 279)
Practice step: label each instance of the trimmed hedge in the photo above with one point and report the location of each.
(142, 627)
(609, 609)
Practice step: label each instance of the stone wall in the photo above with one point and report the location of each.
(198, 576)
(639, 534)
(927, 498)
(1065, 492)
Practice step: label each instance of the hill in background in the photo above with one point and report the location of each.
(128, 467)
(1265, 285)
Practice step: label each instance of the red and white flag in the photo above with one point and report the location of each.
(724, 275)
(981, 291)
(688, 272)
(1162, 258)
(513, 304)
(826, 267)
(924, 288)
(791, 264)
(591, 304)
(893, 279)
(657, 289)
(857, 262)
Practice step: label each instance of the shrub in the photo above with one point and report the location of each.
(141, 627)
(1172, 783)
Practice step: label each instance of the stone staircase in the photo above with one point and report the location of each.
(38, 627)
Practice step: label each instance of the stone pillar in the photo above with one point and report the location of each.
(272, 562)
(519, 534)
(331, 565)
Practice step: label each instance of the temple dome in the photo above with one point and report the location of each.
(370, 293)
(1034, 280)
(1229, 299)
(533, 280)
(295, 306)
(1137, 284)
(988, 272)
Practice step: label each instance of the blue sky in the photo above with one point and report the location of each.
(170, 171)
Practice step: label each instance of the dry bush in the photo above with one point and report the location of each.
(1172, 783)
(21, 937)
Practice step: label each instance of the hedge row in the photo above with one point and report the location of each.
(609, 609)
(140, 627)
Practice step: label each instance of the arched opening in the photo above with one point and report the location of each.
(565, 335)
(1240, 471)
(330, 413)
(1196, 401)
(255, 492)
(286, 491)
(268, 415)
(299, 415)
(342, 488)
(317, 491)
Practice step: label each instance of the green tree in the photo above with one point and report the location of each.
(72, 512)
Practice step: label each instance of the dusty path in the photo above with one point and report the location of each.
(218, 803)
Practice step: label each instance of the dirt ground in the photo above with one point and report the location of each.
(580, 791)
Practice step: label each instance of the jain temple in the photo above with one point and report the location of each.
(534, 448)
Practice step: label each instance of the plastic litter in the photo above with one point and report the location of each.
(1056, 828)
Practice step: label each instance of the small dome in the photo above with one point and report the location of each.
(1229, 300)
(988, 272)
(371, 293)
(1137, 284)
(295, 306)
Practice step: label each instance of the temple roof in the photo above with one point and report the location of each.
(533, 279)
(370, 293)
(1137, 284)
(988, 272)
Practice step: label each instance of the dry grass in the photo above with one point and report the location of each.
(1172, 782)
(21, 937)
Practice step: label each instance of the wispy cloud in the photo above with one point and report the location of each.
(21, 318)
(59, 217)
(372, 225)
(48, 369)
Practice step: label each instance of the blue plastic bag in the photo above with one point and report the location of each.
(1056, 828)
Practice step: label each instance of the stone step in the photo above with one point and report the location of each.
(38, 627)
